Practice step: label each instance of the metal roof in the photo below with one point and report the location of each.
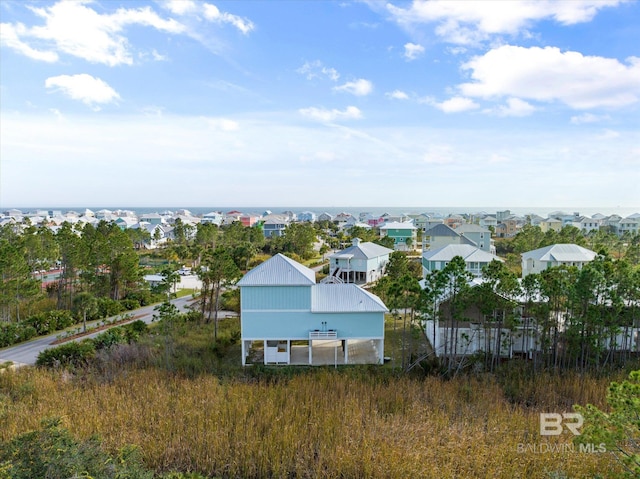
(397, 225)
(344, 298)
(470, 228)
(467, 252)
(366, 250)
(441, 230)
(562, 253)
(279, 271)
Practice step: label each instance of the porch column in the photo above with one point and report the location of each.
(265, 351)
(381, 351)
(310, 352)
(288, 351)
(346, 351)
(244, 357)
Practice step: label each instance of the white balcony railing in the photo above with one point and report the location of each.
(330, 334)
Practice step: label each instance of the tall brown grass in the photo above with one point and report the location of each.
(321, 423)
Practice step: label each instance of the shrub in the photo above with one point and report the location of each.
(142, 296)
(130, 304)
(109, 307)
(52, 452)
(25, 333)
(49, 321)
(72, 354)
(109, 338)
(12, 333)
(192, 316)
(133, 331)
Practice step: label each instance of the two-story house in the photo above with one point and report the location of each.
(404, 235)
(538, 260)
(474, 258)
(361, 263)
(282, 306)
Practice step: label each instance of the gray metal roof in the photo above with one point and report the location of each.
(397, 225)
(344, 298)
(467, 252)
(561, 253)
(470, 228)
(279, 271)
(366, 250)
(441, 230)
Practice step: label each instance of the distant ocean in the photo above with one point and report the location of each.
(355, 210)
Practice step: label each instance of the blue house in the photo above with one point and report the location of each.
(274, 226)
(280, 303)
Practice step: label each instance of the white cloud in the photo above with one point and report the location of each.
(320, 157)
(77, 30)
(516, 107)
(495, 158)
(456, 104)
(439, 155)
(412, 51)
(9, 36)
(327, 116)
(359, 87)
(608, 135)
(85, 88)
(588, 118)
(547, 74)
(213, 13)
(397, 95)
(161, 149)
(223, 124)
(316, 69)
(181, 7)
(474, 21)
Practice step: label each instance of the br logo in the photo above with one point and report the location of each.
(552, 424)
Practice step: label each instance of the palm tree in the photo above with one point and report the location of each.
(86, 304)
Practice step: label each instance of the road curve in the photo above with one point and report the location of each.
(26, 353)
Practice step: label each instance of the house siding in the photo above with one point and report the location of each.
(276, 298)
(296, 325)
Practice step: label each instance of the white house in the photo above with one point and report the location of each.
(474, 258)
(361, 263)
(540, 259)
(280, 303)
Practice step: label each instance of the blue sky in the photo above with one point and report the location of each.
(320, 103)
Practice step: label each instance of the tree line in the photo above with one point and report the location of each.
(571, 318)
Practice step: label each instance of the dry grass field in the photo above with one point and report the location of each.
(355, 422)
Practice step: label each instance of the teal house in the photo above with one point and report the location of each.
(404, 235)
(293, 320)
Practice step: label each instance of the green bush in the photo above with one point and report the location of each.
(50, 321)
(25, 333)
(109, 338)
(130, 304)
(12, 333)
(192, 316)
(133, 331)
(63, 318)
(109, 307)
(74, 354)
(52, 452)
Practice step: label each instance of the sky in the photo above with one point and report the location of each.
(320, 103)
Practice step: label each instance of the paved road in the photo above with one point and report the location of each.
(27, 353)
